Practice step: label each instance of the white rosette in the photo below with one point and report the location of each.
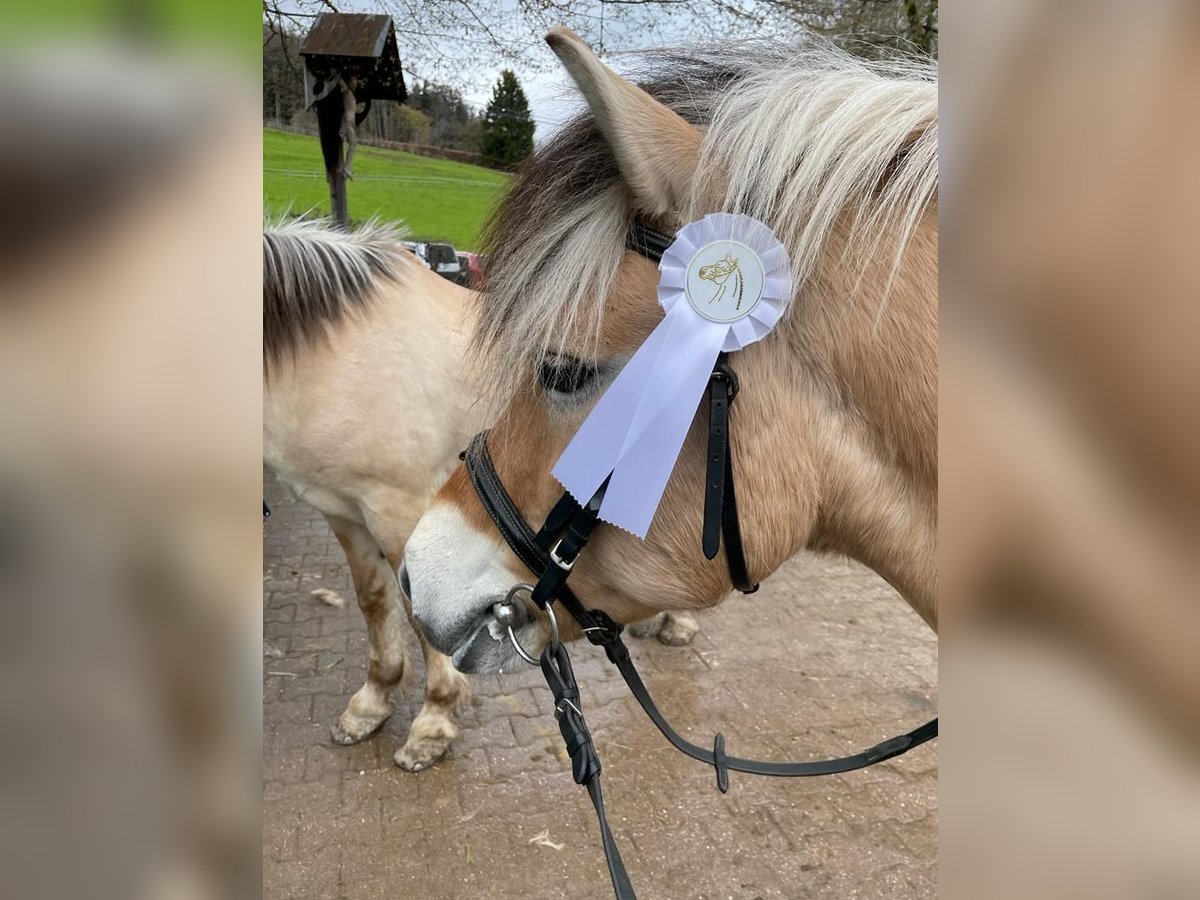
(726, 281)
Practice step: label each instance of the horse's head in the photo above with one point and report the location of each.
(834, 431)
(719, 271)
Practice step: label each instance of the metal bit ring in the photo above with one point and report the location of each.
(504, 612)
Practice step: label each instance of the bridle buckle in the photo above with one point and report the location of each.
(561, 708)
(558, 560)
(722, 372)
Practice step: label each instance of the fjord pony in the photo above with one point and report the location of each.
(366, 403)
(834, 433)
(364, 411)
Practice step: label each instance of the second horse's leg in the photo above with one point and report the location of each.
(675, 629)
(379, 599)
(436, 726)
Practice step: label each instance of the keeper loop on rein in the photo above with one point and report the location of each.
(624, 433)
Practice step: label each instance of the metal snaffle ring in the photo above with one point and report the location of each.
(505, 613)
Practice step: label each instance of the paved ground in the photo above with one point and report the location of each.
(825, 659)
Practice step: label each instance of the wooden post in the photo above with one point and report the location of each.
(337, 198)
(333, 154)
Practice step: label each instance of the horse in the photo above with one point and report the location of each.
(355, 429)
(834, 435)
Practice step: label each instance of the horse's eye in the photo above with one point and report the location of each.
(565, 374)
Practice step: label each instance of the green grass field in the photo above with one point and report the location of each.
(438, 199)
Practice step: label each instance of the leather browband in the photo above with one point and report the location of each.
(646, 241)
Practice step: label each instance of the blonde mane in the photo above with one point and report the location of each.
(800, 143)
(794, 136)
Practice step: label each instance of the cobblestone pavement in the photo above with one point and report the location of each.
(823, 660)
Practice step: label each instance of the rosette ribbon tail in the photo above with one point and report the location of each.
(638, 427)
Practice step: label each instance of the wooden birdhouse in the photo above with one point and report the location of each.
(344, 49)
(353, 44)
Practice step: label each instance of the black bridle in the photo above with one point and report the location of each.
(551, 553)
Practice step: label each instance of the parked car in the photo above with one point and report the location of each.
(414, 248)
(442, 258)
(472, 268)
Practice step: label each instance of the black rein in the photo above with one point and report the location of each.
(567, 530)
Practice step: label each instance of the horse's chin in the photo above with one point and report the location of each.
(488, 649)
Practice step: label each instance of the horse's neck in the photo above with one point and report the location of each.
(424, 307)
(880, 420)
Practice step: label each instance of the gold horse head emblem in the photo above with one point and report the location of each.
(719, 273)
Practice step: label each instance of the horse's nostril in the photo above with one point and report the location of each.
(404, 585)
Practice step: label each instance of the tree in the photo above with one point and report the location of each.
(411, 125)
(283, 86)
(870, 27)
(507, 136)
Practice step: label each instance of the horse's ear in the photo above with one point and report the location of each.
(656, 150)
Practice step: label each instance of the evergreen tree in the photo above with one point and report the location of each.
(507, 135)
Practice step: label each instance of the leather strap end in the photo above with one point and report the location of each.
(717, 466)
